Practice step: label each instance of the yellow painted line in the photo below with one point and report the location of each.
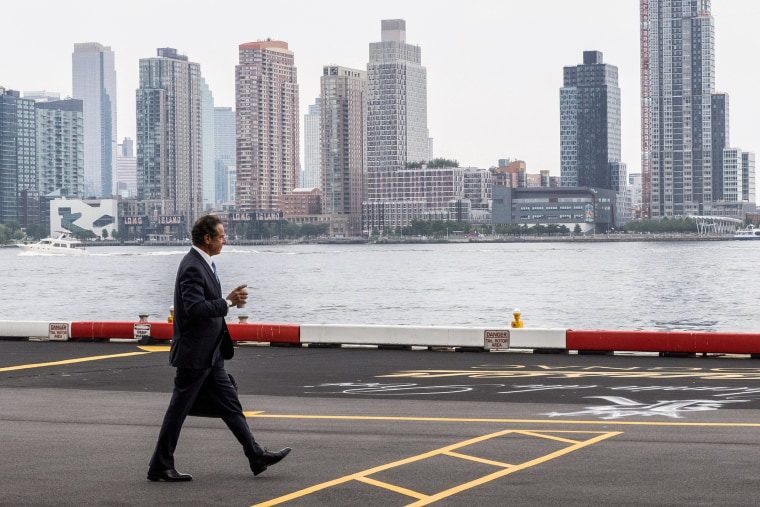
(502, 473)
(392, 487)
(70, 361)
(615, 422)
(477, 460)
(154, 348)
(550, 437)
(428, 499)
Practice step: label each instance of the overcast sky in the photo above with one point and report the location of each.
(494, 68)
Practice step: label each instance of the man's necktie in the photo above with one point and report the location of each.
(213, 266)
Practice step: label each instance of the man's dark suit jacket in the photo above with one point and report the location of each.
(199, 311)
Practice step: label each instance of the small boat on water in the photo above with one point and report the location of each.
(62, 244)
(749, 232)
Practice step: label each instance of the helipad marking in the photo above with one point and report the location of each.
(423, 499)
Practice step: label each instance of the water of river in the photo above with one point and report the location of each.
(694, 286)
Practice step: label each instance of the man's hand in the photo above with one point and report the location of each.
(239, 296)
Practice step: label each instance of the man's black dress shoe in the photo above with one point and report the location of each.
(261, 462)
(168, 475)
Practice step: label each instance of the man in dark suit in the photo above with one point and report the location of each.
(200, 344)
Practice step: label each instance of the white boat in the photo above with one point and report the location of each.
(62, 244)
(749, 232)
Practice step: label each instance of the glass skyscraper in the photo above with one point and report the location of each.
(590, 125)
(94, 83)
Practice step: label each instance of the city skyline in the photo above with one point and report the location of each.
(493, 70)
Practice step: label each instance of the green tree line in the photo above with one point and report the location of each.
(663, 226)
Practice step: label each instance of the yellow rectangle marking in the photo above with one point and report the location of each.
(428, 499)
(502, 473)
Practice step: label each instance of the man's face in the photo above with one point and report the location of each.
(214, 244)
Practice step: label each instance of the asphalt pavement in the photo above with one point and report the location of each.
(375, 427)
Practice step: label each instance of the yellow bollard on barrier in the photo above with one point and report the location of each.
(516, 322)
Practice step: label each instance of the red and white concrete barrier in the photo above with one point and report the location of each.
(664, 341)
(494, 338)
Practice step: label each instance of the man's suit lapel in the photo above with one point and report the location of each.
(210, 278)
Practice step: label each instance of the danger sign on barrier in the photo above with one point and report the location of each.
(58, 331)
(496, 339)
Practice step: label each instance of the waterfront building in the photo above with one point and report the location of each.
(343, 92)
(302, 201)
(590, 128)
(80, 215)
(732, 180)
(266, 104)
(590, 125)
(397, 134)
(169, 135)
(425, 193)
(593, 210)
(738, 176)
(749, 187)
(224, 154)
(677, 83)
(311, 176)
(19, 183)
(60, 148)
(94, 83)
(126, 169)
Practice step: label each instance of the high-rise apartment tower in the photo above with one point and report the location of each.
(60, 148)
(19, 182)
(397, 131)
(677, 83)
(590, 125)
(266, 104)
(169, 134)
(343, 92)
